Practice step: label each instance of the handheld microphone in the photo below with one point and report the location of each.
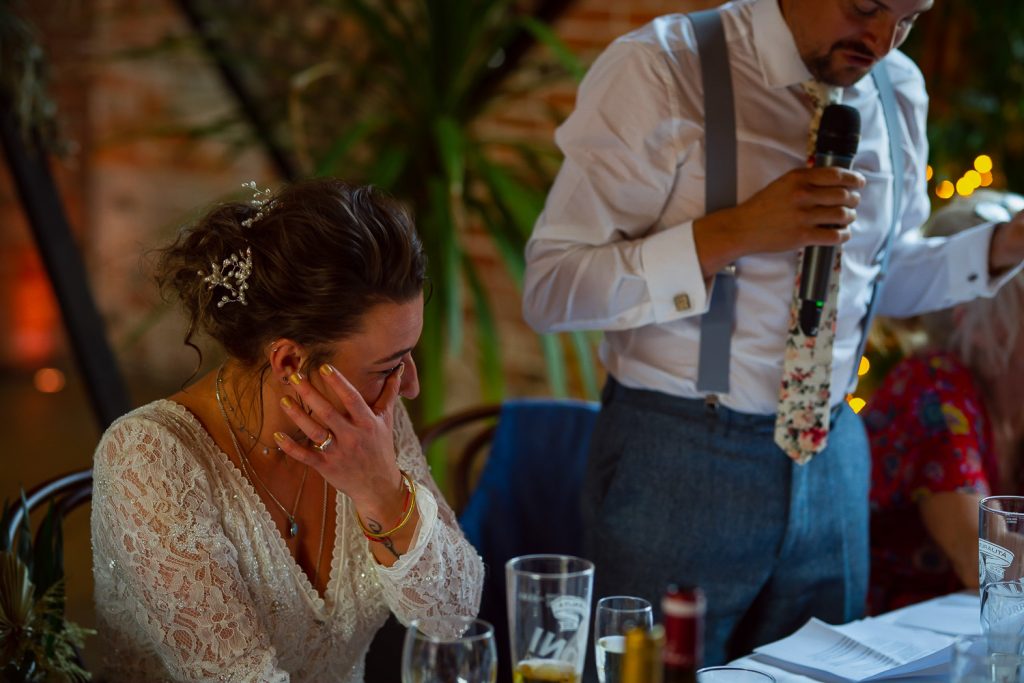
(838, 136)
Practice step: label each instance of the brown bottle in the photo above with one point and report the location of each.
(641, 661)
(683, 610)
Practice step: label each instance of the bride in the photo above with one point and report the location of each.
(260, 524)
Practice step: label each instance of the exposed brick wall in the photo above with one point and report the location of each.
(136, 176)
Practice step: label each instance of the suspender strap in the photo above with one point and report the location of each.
(892, 124)
(719, 193)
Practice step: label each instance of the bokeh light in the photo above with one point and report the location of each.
(944, 190)
(49, 380)
(857, 403)
(983, 164)
(865, 366)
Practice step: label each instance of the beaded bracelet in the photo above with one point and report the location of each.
(409, 505)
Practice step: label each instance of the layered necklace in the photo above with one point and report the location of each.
(247, 469)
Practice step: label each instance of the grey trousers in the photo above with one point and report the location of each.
(679, 492)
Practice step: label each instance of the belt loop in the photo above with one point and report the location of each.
(711, 404)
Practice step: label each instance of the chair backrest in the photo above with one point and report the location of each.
(67, 492)
(527, 498)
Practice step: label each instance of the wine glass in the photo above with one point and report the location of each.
(445, 649)
(616, 615)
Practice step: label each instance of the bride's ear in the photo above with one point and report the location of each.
(285, 357)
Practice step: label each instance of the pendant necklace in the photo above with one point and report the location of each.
(293, 525)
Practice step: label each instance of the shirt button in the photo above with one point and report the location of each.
(682, 302)
(972, 277)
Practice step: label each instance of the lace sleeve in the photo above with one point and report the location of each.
(442, 574)
(165, 571)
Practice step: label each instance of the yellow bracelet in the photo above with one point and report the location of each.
(410, 486)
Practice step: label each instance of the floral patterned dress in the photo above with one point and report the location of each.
(929, 433)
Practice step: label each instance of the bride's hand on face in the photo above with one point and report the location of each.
(358, 452)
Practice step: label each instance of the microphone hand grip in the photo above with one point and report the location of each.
(836, 145)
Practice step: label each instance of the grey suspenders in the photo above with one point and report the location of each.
(720, 193)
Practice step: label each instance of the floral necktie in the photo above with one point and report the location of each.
(802, 421)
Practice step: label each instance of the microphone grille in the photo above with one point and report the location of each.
(839, 132)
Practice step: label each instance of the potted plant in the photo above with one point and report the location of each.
(37, 642)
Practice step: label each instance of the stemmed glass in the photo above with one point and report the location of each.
(446, 649)
(615, 616)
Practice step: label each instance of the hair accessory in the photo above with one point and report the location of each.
(260, 201)
(231, 274)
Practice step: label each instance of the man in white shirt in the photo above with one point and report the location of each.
(681, 488)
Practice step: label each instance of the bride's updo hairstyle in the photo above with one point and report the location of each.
(305, 264)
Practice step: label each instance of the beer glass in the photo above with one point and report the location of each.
(1000, 539)
(616, 615)
(548, 616)
(446, 649)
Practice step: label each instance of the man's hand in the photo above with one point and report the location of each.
(1006, 249)
(788, 214)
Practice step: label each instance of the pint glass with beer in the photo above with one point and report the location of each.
(548, 616)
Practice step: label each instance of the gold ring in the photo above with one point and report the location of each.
(328, 440)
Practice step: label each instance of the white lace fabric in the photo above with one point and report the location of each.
(193, 581)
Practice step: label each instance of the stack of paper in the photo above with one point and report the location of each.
(867, 650)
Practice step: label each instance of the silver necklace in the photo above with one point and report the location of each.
(293, 525)
(252, 437)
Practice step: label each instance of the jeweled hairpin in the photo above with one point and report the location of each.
(260, 201)
(231, 274)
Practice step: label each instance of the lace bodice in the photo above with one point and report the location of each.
(193, 581)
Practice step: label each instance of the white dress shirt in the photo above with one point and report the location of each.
(614, 249)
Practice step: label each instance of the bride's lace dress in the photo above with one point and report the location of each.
(194, 582)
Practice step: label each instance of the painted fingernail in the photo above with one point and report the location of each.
(327, 370)
(287, 402)
(279, 437)
(295, 377)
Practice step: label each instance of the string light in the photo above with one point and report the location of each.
(856, 403)
(964, 188)
(865, 366)
(929, 172)
(944, 190)
(983, 164)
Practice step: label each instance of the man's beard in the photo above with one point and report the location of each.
(823, 69)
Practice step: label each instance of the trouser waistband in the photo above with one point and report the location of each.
(691, 408)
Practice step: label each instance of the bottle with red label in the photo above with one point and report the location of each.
(682, 610)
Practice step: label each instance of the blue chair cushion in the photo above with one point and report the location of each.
(527, 498)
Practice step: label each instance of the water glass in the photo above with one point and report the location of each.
(732, 674)
(1000, 539)
(1002, 616)
(446, 649)
(973, 662)
(548, 616)
(616, 615)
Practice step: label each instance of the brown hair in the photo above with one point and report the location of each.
(323, 254)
